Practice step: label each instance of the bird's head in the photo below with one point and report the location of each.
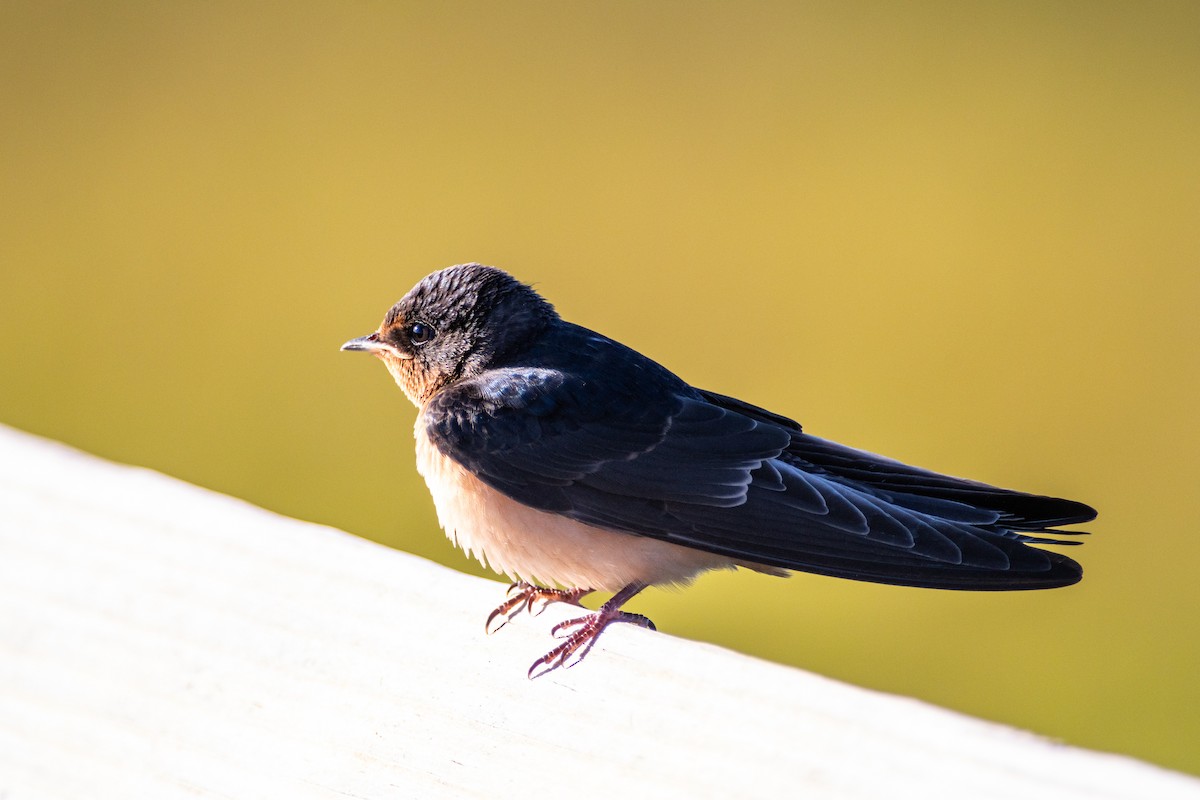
(454, 324)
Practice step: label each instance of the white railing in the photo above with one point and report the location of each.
(159, 641)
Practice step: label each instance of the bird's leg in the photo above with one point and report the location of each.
(587, 630)
(521, 597)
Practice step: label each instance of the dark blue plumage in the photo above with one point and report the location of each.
(579, 425)
(557, 455)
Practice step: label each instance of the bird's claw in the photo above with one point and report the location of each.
(579, 642)
(559, 631)
(522, 595)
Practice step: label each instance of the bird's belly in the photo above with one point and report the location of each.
(527, 544)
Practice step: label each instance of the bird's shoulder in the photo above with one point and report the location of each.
(582, 407)
(569, 373)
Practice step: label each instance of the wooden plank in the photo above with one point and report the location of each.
(158, 640)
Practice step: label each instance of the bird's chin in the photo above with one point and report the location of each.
(412, 380)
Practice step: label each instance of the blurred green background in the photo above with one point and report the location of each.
(965, 236)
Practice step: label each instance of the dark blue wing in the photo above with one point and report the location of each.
(1016, 510)
(623, 444)
(540, 435)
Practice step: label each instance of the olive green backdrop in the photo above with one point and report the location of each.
(963, 235)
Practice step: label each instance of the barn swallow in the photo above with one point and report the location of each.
(573, 464)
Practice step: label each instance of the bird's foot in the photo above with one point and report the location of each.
(523, 595)
(578, 642)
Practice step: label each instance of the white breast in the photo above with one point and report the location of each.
(547, 549)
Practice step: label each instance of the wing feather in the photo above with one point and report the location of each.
(648, 455)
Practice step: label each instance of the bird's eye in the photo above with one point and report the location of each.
(420, 333)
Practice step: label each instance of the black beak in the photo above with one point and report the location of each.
(368, 343)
